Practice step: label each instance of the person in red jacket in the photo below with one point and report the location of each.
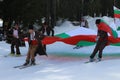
(102, 40)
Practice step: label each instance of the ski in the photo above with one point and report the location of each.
(93, 61)
(23, 66)
(18, 66)
(98, 61)
(89, 62)
(12, 55)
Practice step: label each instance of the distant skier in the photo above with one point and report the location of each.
(35, 46)
(102, 40)
(16, 34)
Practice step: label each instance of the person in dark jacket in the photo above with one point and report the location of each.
(102, 40)
(47, 31)
(35, 46)
(15, 40)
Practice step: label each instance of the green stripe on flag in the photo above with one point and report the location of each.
(117, 44)
(63, 35)
(118, 28)
(116, 12)
(115, 34)
(85, 43)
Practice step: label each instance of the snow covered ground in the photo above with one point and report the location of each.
(57, 68)
(63, 63)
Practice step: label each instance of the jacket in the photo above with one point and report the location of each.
(48, 31)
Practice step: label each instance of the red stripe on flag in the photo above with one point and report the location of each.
(75, 39)
(117, 15)
(50, 40)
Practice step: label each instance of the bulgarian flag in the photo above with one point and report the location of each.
(116, 12)
(105, 27)
(82, 36)
(80, 40)
(79, 37)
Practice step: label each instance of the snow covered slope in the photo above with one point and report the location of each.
(57, 68)
(63, 62)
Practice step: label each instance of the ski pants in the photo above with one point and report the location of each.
(31, 52)
(15, 43)
(99, 48)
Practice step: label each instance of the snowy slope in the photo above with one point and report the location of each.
(64, 67)
(59, 68)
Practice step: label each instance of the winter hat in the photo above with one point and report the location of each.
(31, 27)
(98, 21)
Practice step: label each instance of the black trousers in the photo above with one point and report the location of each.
(15, 43)
(99, 48)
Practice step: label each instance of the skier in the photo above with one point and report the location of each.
(16, 34)
(102, 40)
(35, 46)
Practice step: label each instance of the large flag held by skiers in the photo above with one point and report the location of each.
(77, 37)
(84, 36)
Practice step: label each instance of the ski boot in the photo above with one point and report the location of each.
(99, 59)
(33, 62)
(26, 63)
(92, 60)
(12, 54)
(18, 55)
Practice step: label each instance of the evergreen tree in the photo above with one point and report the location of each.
(32, 10)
